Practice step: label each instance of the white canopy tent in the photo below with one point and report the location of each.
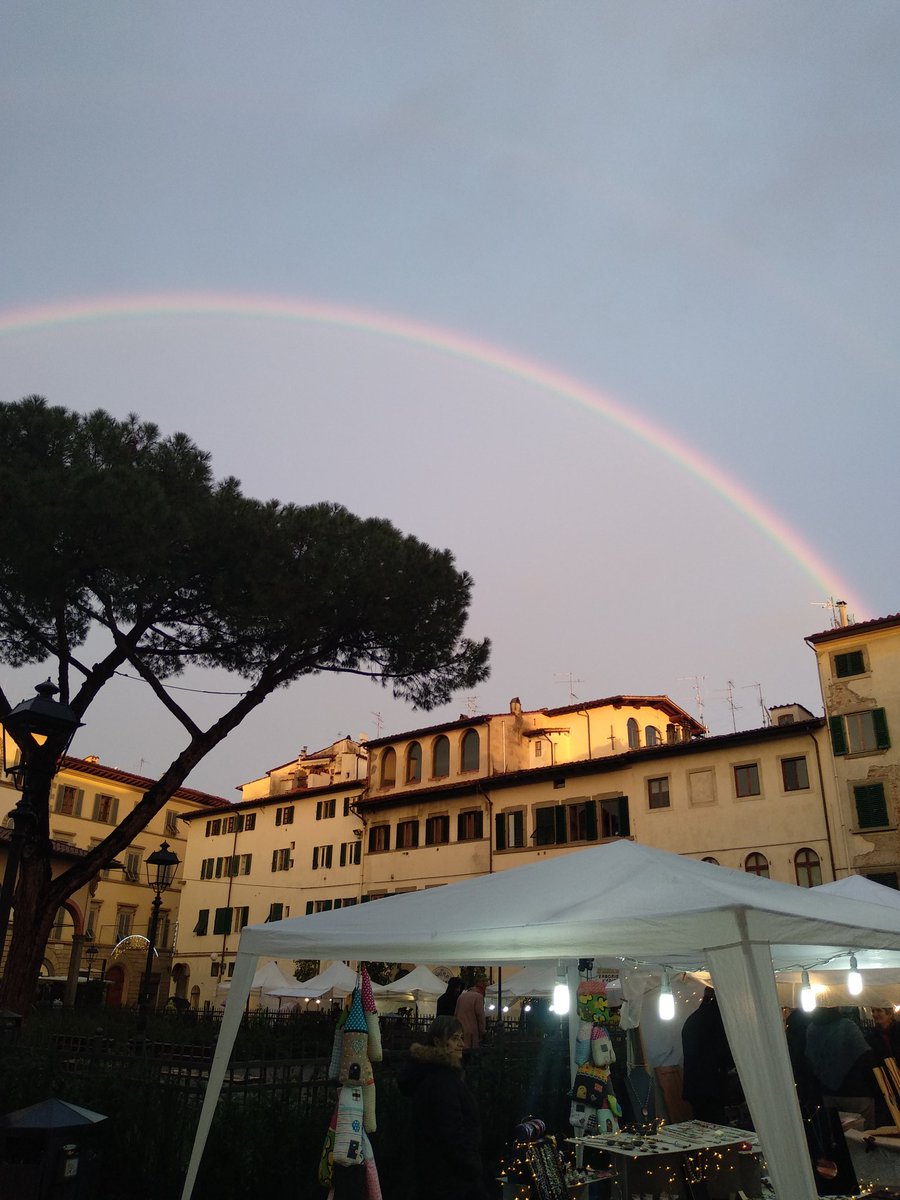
(420, 983)
(336, 980)
(619, 899)
(268, 977)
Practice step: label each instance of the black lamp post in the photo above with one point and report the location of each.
(161, 866)
(91, 951)
(30, 724)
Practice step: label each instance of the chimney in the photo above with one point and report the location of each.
(841, 606)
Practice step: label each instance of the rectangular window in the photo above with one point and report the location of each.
(163, 930)
(106, 809)
(124, 923)
(69, 800)
(249, 821)
(851, 663)
(323, 905)
(658, 792)
(171, 826)
(885, 878)
(284, 816)
(565, 823)
(202, 922)
(240, 917)
(469, 825)
(614, 818)
(794, 774)
(325, 809)
(93, 923)
(407, 835)
(276, 911)
(550, 826)
(871, 806)
(379, 838)
(437, 830)
(281, 860)
(133, 866)
(509, 829)
(207, 867)
(860, 732)
(350, 853)
(346, 806)
(222, 921)
(214, 968)
(746, 780)
(321, 858)
(215, 827)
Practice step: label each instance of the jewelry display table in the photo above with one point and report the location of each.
(693, 1160)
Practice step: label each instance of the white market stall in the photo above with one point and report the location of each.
(618, 899)
(419, 984)
(337, 980)
(266, 982)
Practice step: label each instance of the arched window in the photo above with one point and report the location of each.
(388, 767)
(440, 757)
(757, 864)
(634, 734)
(714, 861)
(414, 763)
(807, 868)
(470, 751)
(651, 733)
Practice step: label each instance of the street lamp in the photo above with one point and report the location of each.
(161, 865)
(30, 724)
(91, 951)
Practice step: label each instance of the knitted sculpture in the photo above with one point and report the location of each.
(594, 1104)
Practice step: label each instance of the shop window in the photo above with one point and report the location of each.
(746, 780)
(388, 768)
(379, 839)
(414, 763)
(757, 864)
(469, 825)
(437, 830)
(350, 853)
(807, 868)
(440, 757)
(470, 751)
(871, 805)
(407, 835)
(794, 774)
(510, 829)
(658, 792)
(634, 734)
(851, 663)
(860, 732)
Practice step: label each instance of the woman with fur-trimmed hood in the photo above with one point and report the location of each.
(446, 1127)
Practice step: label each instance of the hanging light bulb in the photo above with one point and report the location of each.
(561, 992)
(854, 979)
(807, 995)
(666, 999)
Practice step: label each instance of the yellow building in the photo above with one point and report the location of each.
(859, 674)
(109, 926)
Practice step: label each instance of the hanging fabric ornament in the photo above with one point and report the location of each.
(326, 1159)
(349, 1133)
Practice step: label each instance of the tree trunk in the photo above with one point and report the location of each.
(33, 919)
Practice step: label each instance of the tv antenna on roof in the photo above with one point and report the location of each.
(838, 610)
(697, 682)
(379, 723)
(571, 681)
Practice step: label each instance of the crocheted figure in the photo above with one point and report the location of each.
(594, 1104)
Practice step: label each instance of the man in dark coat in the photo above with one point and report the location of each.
(707, 1061)
(446, 1127)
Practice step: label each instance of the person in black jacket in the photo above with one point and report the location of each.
(707, 1061)
(446, 1005)
(446, 1127)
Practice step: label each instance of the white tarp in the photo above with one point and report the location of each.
(534, 979)
(421, 983)
(618, 899)
(269, 976)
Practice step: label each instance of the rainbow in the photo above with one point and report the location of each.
(444, 341)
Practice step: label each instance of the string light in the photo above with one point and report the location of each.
(666, 999)
(807, 995)
(561, 992)
(854, 979)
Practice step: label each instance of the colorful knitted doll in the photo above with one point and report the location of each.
(594, 1104)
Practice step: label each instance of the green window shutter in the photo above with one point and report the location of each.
(500, 830)
(838, 735)
(852, 663)
(59, 798)
(222, 922)
(871, 809)
(202, 922)
(559, 816)
(590, 823)
(624, 823)
(79, 800)
(274, 860)
(309, 907)
(879, 720)
(544, 826)
(275, 911)
(518, 829)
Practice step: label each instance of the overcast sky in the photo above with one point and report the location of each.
(687, 210)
